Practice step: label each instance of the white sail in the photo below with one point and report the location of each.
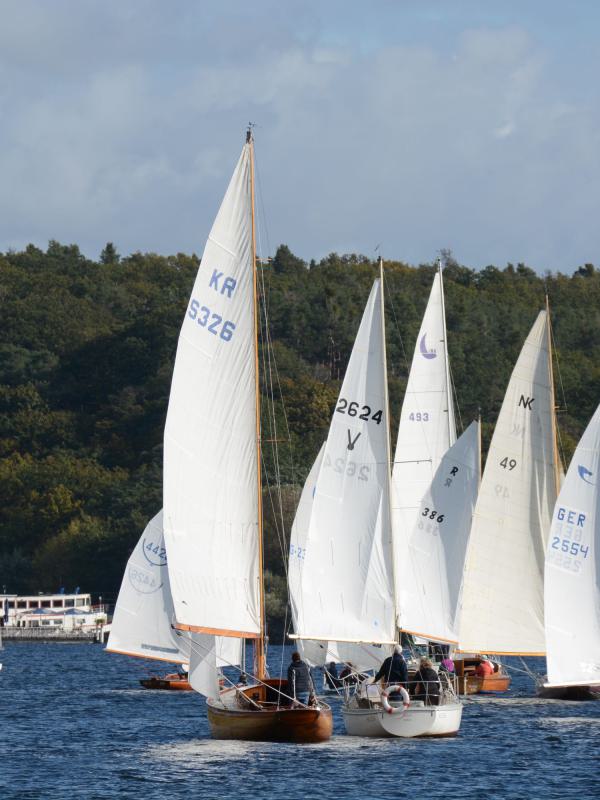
(318, 653)
(427, 428)
(430, 594)
(203, 675)
(344, 586)
(210, 461)
(572, 574)
(143, 618)
(142, 623)
(503, 602)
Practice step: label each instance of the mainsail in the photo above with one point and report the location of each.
(427, 428)
(430, 594)
(210, 453)
(503, 600)
(572, 574)
(342, 590)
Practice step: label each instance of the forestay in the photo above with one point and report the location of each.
(503, 589)
(210, 461)
(317, 653)
(572, 575)
(430, 595)
(343, 587)
(143, 618)
(427, 428)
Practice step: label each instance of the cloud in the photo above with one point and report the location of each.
(122, 122)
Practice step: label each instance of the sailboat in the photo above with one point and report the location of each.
(142, 624)
(503, 595)
(212, 512)
(571, 582)
(342, 568)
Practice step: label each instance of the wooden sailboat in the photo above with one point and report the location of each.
(572, 567)
(502, 604)
(212, 482)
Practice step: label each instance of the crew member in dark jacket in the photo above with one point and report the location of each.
(332, 678)
(427, 683)
(393, 669)
(299, 682)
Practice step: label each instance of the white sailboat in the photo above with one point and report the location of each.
(212, 480)
(502, 604)
(142, 624)
(572, 570)
(343, 590)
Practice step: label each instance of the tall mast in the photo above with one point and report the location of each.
(260, 666)
(388, 450)
(449, 405)
(552, 402)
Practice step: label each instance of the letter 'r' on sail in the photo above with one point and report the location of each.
(429, 600)
(503, 594)
(342, 587)
(210, 466)
(142, 622)
(572, 575)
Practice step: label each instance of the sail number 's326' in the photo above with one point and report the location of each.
(352, 408)
(214, 323)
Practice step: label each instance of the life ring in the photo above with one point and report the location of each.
(394, 690)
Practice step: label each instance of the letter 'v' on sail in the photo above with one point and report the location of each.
(210, 445)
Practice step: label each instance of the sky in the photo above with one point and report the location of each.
(416, 125)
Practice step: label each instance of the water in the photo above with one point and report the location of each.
(74, 723)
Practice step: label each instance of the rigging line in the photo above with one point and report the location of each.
(554, 346)
(455, 396)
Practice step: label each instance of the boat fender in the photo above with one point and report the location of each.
(394, 690)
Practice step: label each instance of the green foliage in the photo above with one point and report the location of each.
(85, 367)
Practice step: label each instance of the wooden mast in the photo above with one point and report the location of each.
(260, 666)
(552, 402)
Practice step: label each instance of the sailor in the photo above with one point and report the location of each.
(331, 675)
(447, 665)
(484, 668)
(426, 683)
(393, 669)
(299, 682)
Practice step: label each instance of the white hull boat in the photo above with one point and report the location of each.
(415, 721)
(367, 713)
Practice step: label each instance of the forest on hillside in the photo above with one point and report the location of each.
(86, 357)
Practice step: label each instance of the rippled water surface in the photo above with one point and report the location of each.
(74, 723)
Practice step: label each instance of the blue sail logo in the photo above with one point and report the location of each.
(424, 351)
(584, 473)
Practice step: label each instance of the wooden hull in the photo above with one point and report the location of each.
(469, 683)
(580, 693)
(252, 714)
(171, 683)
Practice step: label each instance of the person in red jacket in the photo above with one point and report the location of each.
(485, 668)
